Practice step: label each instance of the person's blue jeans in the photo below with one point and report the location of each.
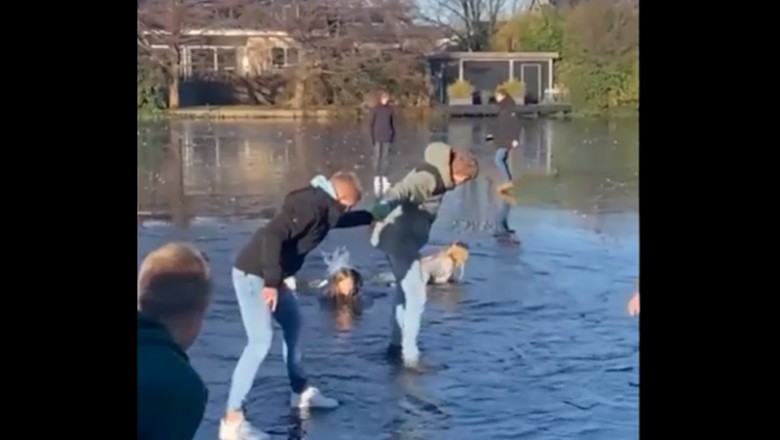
(502, 218)
(256, 316)
(408, 304)
(381, 150)
(501, 159)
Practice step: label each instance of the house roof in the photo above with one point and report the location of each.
(495, 56)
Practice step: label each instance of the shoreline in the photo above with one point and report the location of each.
(245, 112)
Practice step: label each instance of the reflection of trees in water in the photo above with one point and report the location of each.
(592, 168)
(161, 191)
(149, 160)
(598, 147)
(247, 167)
(534, 155)
(173, 180)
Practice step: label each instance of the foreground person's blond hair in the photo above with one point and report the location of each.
(173, 279)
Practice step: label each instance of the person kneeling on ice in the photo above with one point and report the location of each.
(405, 217)
(447, 265)
(443, 267)
(262, 276)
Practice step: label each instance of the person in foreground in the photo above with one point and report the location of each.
(274, 253)
(405, 217)
(505, 138)
(174, 292)
(633, 305)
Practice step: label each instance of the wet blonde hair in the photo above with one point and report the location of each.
(458, 252)
(340, 275)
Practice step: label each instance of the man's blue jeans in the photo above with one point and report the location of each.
(501, 159)
(408, 305)
(256, 316)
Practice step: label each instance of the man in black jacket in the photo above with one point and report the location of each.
(260, 277)
(381, 125)
(506, 137)
(174, 291)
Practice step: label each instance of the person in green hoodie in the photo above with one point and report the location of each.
(405, 216)
(174, 292)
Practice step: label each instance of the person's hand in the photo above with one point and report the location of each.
(380, 211)
(271, 296)
(633, 305)
(515, 143)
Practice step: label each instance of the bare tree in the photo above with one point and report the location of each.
(344, 48)
(472, 22)
(348, 48)
(163, 27)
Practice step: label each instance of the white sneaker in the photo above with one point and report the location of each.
(312, 398)
(411, 358)
(381, 185)
(242, 430)
(290, 283)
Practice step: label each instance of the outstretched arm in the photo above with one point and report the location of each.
(416, 187)
(355, 218)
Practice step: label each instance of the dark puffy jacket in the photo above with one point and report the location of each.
(381, 124)
(171, 396)
(507, 124)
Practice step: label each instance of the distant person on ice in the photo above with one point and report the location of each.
(405, 217)
(381, 126)
(505, 138)
(174, 292)
(263, 277)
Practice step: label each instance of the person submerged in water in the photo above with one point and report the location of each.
(344, 288)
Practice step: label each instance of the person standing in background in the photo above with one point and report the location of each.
(506, 137)
(381, 126)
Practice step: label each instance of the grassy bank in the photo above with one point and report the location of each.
(244, 112)
(248, 112)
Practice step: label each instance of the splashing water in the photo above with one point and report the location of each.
(334, 262)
